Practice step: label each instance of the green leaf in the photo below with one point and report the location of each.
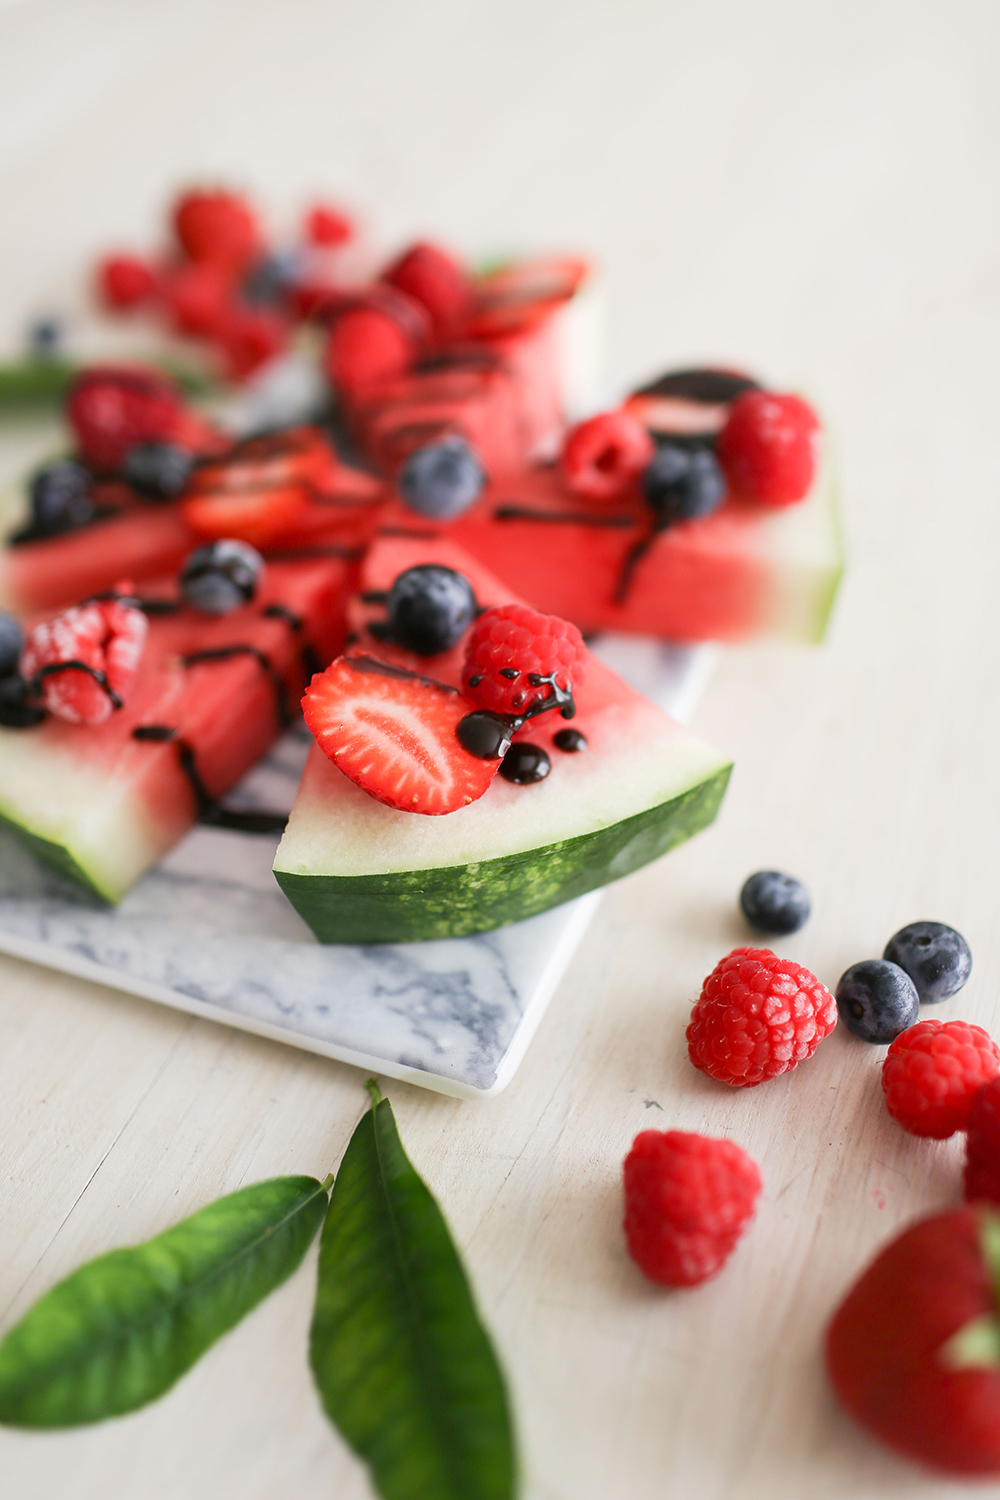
(404, 1367)
(976, 1345)
(124, 1327)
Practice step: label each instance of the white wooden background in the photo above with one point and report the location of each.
(809, 188)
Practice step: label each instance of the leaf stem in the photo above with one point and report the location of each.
(327, 1183)
(373, 1089)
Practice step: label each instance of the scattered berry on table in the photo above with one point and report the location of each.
(11, 644)
(517, 659)
(758, 1015)
(60, 498)
(877, 1000)
(110, 408)
(442, 479)
(603, 457)
(217, 226)
(769, 447)
(429, 608)
(81, 664)
(394, 733)
(45, 338)
(125, 281)
(912, 1349)
(159, 471)
(681, 484)
(936, 957)
(688, 1198)
(931, 1072)
(773, 902)
(221, 576)
(435, 279)
(326, 225)
(981, 1181)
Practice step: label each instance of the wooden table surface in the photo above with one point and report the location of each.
(809, 189)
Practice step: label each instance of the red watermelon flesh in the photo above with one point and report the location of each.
(104, 805)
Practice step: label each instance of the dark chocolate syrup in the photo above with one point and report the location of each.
(210, 810)
(32, 533)
(226, 653)
(569, 740)
(525, 764)
(376, 668)
(561, 517)
(374, 596)
(459, 357)
(705, 386)
(53, 667)
(484, 735)
(148, 606)
(302, 554)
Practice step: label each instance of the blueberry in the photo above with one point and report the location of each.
(221, 576)
(268, 280)
(442, 480)
(682, 483)
(11, 644)
(15, 710)
(60, 498)
(159, 471)
(429, 607)
(877, 1000)
(936, 957)
(44, 337)
(773, 902)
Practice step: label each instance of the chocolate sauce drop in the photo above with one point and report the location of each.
(484, 735)
(569, 740)
(524, 764)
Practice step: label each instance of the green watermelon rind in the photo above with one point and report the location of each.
(451, 901)
(58, 857)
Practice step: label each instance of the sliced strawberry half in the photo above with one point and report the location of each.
(393, 732)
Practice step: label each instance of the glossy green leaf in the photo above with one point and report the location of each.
(404, 1367)
(124, 1327)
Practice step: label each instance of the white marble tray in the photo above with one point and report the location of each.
(209, 931)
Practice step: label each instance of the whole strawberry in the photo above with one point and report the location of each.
(517, 660)
(758, 1015)
(913, 1351)
(214, 225)
(981, 1180)
(931, 1072)
(688, 1198)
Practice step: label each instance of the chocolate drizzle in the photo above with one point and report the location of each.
(562, 517)
(376, 668)
(525, 764)
(705, 386)
(570, 741)
(52, 668)
(488, 735)
(210, 810)
(226, 653)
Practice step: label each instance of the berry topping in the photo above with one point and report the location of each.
(436, 280)
(688, 1198)
(877, 1001)
(216, 226)
(197, 296)
(603, 457)
(326, 225)
(981, 1180)
(681, 484)
(221, 577)
(769, 447)
(82, 663)
(60, 498)
(775, 903)
(125, 281)
(758, 1016)
(394, 733)
(525, 764)
(936, 957)
(248, 337)
(11, 644)
(374, 340)
(16, 708)
(442, 479)
(931, 1072)
(158, 470)
(260, 489)
(111, 409)
(522, 663)
(429, 608)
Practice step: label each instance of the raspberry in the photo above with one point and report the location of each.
(603, 457)
(688, 1198)
(511, 644)
(769, 447)
(124, 281)
(932, 1070)
(436, 280)
(982, 1145)
(758, 1015)
(110, 408)
(375, 338)
(197, 297)
(217, 226)
(82, 663)
(248, 338)
(325, 225)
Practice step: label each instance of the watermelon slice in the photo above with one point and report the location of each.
(104, 803)
(359, 871)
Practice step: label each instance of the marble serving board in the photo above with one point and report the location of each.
(209, 931)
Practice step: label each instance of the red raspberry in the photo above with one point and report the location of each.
(217, 226)
(982, 1145)
(603, 457)
(509, 645)
(325, 225)
(436, 280)
(758, 1015)
(125, 281)
(248, 338)
(769, 447)
(198, 297)
(374, 338)
(931, 1072)
(103, 640)
(111, 407)
(688, 1198)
